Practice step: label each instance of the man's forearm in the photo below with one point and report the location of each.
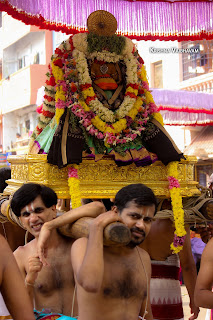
(204, 298)
(89, 210)
(189, 277)
(30, 290)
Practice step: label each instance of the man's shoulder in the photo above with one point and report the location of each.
(208, 251)
(144, 255)
(80, 241)
(25, 250)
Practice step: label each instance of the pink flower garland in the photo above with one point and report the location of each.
(72, 173)
(173, 182)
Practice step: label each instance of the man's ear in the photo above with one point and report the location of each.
(115, 209)
(54, 209)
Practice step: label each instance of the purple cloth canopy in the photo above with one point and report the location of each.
(149, 20)
(187, 108)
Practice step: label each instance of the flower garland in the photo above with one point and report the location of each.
(74, 186)
(69, 85)
(69, 78)
(113, 128)
(90, 97)
(177, 207)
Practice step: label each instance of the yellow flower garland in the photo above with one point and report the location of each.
(60, 94)
(74, 189)
(157, 116)
(130, 89)
(119, 125)
(177, 206)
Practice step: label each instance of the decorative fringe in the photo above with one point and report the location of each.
(180, 21)
(184, 109)
(195, 124)
(173, 118)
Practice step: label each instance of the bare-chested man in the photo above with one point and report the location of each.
(204, 284)
(113, 282)
(12, 287)
(165, 289)
(51, 287)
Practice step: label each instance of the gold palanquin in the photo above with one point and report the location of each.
(101, 179)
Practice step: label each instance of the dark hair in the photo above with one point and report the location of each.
(106, 202)
(5, 174)
(28, 193)
(140, 194)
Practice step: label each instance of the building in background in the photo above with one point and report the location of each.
(26, 53)
(173, 66)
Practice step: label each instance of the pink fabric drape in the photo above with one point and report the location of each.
(148, 20)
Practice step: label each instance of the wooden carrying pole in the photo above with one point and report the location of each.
(116, 233)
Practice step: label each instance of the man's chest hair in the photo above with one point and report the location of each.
(57, 276)
(124, 279)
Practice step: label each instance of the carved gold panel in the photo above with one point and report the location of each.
(101, 179)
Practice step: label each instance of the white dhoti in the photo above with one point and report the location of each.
(4, 313)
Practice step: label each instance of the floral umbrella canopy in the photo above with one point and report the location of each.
(147, 20)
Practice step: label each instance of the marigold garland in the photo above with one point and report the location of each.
(69, 77)
(157, 116)
(60, 94)
(177, 207)
(74, 186)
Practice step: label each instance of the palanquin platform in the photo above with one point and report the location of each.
(101, 179)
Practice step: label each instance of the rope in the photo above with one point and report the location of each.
(73, 302)
(191, 207)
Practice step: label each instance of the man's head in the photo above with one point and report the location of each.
(137, 205)
(5, 174)
(34, 204)
(106, 202)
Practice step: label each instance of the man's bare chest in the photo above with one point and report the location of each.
(57, 276)
(124, 279)
(54, 277)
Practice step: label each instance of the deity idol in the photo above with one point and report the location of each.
(97, 102)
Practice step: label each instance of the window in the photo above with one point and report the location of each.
(158, 75)
(27, 125)
(197, 58)
(23, 62)
(36, 58)
(19, 63)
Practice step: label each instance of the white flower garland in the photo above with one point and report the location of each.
(80, 55)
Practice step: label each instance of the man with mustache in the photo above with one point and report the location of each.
(113, 282)
(50, 287)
